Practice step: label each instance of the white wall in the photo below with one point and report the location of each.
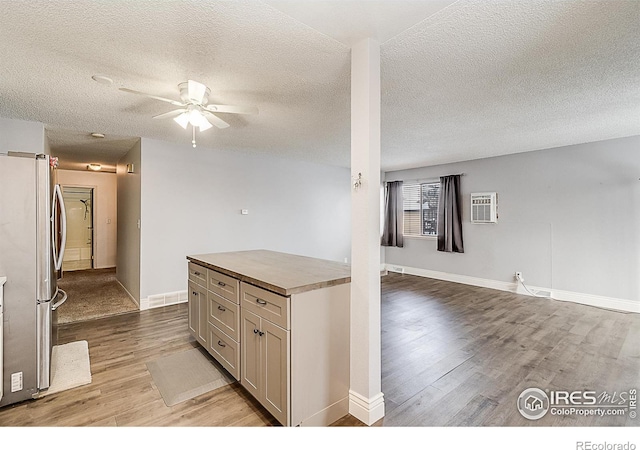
(569, 219)
(21, 136)
(128, 210)
(104, 204)
(192, 201)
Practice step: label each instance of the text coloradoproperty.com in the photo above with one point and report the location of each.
(587, 411)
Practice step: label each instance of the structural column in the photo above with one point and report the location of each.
(365, 396)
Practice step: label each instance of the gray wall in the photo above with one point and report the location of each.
(569, 219)
(128, 211)
(192, 201)
(21, 136)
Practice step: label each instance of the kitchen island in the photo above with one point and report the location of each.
(279, 324)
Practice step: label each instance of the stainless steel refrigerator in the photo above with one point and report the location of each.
(32, 240)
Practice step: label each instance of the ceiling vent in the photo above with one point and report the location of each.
(484, 207)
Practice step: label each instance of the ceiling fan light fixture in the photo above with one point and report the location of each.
(94, 166)
(204, 124)
(183, 120)
(195, 117)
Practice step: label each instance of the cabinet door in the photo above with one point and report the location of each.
(203, 328)
(194, 309)
(198, 313)
(275, 367)
(250, 353)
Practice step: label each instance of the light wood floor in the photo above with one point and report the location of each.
(452, 355)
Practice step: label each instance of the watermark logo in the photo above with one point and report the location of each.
(533, 403)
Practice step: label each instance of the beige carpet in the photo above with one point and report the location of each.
(93, 294)
(185, 375)
(70, 367)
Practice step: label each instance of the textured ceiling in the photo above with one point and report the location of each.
(460, 80)
(76, 149)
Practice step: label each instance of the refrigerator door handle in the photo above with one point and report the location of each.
(59, 303)
(58, 253)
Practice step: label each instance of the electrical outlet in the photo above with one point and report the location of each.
(519, 276)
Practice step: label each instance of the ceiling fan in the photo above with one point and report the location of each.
(194, 108)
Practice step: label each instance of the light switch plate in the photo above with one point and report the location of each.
(245, 212)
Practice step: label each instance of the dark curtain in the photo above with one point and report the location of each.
(450, 215)
(393, 215)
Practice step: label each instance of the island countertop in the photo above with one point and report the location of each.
(283, 273)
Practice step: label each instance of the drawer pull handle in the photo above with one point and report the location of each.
(261, 302)
(220, 283)
(221, 344)
(261, 333)
(221, 308)
(258, 332)
(197, 273)
(194, 293)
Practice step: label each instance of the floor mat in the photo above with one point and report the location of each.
(185, 375)
(70, 367)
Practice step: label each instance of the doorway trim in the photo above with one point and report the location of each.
(94, 211)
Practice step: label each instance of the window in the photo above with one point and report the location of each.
(421, 208)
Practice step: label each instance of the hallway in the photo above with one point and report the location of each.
(93, 294)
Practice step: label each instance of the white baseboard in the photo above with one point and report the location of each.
(159, 300)
(328, 415)
(618, 304)
(599, 301)
(367, 410)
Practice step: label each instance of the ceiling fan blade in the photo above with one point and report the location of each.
(175, 112)
(173, 102)
(215, 120)
(232, 109)
(196, 91)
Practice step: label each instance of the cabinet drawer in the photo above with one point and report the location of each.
(266, 304)
(224, 315)
(224, 350)
(224, 285)
(198, 274)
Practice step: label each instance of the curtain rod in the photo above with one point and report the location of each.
(426, 179)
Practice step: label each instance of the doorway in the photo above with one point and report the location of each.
(79, 203)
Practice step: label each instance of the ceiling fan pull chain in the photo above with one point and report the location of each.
(193, 141)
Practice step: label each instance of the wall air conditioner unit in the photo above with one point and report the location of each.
(484, 207)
